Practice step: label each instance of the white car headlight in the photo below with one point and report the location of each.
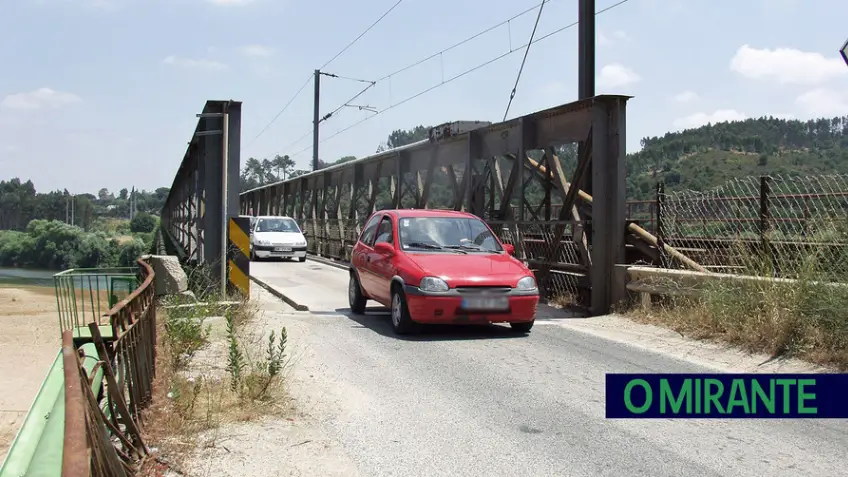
(526, 283)
(263, 242)
(302, 243)
(433, 284)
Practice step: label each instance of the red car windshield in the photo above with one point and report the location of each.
(446, 233)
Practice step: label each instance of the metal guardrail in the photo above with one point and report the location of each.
(84, 295)
(102, 430)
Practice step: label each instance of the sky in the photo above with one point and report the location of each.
(103, 93)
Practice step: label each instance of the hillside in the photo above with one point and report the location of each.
(708, 156)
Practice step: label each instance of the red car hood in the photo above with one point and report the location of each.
(472, 268)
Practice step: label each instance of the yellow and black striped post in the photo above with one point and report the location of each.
(238, 251)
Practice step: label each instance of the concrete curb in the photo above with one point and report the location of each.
(327, 261)
(280, 295)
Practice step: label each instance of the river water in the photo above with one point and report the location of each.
(22, 276)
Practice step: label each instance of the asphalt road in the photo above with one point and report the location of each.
(486, 402)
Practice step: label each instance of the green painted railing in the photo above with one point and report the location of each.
(37, 449)
(85, 295)
(84, 419)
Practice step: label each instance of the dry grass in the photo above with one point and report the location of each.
(564, 300)
(807, 319)
(198, 394)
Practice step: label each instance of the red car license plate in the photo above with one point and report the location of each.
(499, 303)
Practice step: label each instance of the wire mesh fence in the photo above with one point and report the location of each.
(767, 226)
(555, 254)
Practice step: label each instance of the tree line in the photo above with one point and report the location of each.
(57, 230)
(21, 203)
(708, 156)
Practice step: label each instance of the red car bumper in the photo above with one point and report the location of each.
(434, 309)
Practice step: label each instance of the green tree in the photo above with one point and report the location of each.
(143, 223)
(283, 165)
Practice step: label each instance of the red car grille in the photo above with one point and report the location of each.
(483, 289)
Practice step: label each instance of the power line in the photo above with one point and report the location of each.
(309, 78)
(411, 65)
(329, 115)
(460, 75)
(434, 55)
(362, 34)
(332, 75)
(462, 42)
(515, 87)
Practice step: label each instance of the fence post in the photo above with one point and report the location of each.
(765, 215)
(659, 231)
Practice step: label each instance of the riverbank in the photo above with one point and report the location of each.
(29, 338)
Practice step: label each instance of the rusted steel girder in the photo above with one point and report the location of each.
(499, 172)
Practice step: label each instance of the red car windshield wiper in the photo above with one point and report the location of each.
(433, 246)
(469, 247)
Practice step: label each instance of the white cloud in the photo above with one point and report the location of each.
(701, 119)
(615, 76)
(686, 97)
(39, 99)
(786, 65)
(603, 40)
(191, 63)
(257, 50)
(823, 102)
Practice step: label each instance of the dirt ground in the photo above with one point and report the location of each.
(29, 342)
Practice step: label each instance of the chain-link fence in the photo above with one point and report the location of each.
(768, 226)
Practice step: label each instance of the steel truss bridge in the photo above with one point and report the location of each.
(518, 175)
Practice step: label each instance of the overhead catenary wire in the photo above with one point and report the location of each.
(460, 75)
(436, 54)
(309, 79)
(524, 60)
(361, 34)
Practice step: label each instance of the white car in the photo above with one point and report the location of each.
(277, 237)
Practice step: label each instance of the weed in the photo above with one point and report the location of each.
(235, 358)
(223, 383)
(805, 317)
(186, 333)
(253, 380)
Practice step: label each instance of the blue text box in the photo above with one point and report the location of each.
(752, 396)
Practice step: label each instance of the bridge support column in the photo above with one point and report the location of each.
(609, 197)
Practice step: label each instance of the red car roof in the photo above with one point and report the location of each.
(401, 213)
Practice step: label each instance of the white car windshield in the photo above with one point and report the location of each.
(434, 233)
(277, 225)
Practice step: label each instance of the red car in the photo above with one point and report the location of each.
(435, 266)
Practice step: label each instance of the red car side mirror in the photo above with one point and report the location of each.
(509, 248)
(384, 248)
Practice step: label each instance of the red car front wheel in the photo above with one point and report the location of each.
(401, 321)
